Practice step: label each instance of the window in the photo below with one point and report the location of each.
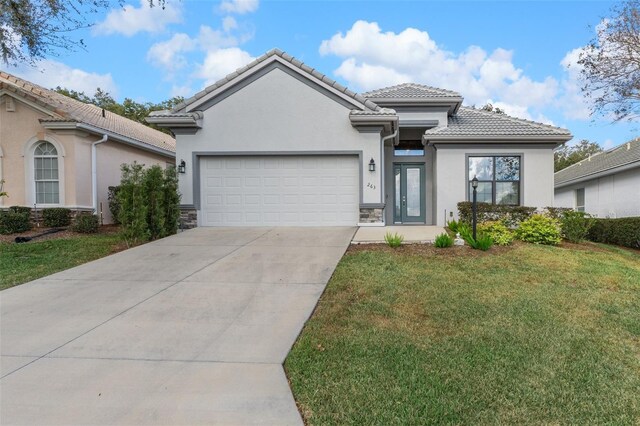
(409, 149)
(499, 179)
(580, 200)
(45, 170)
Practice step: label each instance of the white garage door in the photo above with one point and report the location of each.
(279, 191)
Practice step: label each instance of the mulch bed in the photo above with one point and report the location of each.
(65, 233)
(430, 249)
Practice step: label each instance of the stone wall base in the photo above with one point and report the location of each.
(371, 215)
(188, 218)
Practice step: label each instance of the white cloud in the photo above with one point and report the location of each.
(50, 74)
(229, 23)
(373, 58)
(184, 91)
(573, 102)
(221, 62)
(239, 6)
(130, 20)
(170, 54)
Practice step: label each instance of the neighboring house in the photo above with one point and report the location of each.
(278, 143)
(56, 151)
(606, 184)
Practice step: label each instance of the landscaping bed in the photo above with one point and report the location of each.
(525, 334)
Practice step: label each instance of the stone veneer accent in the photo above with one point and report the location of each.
(371, 215)
(188, 218)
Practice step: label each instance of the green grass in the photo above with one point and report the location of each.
(524, 335)
(20, 263)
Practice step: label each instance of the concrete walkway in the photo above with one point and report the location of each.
(191, 329)
(411, 233)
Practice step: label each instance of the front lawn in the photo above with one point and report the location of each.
(24, 262)
(522, 335)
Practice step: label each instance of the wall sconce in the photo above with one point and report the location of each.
(372, 166)
(182, 167)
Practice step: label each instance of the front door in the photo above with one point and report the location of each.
(409, 182)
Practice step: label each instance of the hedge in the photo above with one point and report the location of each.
(623, 231)
(56, 217)
(12, 222)
(510, 215)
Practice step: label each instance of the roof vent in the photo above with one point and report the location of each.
(103, 113)
(628, 146)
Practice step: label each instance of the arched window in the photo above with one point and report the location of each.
(45, 169)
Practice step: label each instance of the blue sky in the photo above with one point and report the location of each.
(518, 55)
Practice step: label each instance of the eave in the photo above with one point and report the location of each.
(74, 125)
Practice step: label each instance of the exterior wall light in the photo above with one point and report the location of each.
(182, 167)
(372, 165)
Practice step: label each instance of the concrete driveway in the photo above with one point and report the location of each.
(191, 329)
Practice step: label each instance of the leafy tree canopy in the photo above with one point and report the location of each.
(567, 155)
(611, 64)
(34, 29)
(129, 108)
(489, 107)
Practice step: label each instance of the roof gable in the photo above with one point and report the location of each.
(626, 154)
(411, 91)
(68, 110)
(274, 59)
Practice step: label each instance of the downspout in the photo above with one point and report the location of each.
(94, 173)
(382, 170)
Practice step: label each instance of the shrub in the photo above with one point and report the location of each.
(20, 209)
(86, 224)
(443, 240)
(499, 233)
(575, 225)
(56, 217)
(394, 240)
(147, 202)
(539, 229)
(556, 212)
(482, 242)
(12, 222)
(511, 216)
(133, 206)
(114, 204)
(453, 225)
(623, 231)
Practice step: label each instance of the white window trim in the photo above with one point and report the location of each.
(29, 166)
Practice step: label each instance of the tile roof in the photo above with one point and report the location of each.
(625, 154)
(68, 109)
(295, 62)
(411, 91)
(470, 122)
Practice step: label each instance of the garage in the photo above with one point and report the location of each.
(288, 190)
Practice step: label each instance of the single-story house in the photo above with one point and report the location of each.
(56, 151)
(606, 184)
(279, 143)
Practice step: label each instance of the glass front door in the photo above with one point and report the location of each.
(409, 190)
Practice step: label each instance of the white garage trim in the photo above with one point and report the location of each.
(273, 190)
(197, 155)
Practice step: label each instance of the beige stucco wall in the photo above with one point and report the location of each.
(110, 156)
(277, 112)
(451, 174)
(20, 130)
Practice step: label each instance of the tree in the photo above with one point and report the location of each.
(489, 107)
(565, 156)
(33, 29)
(129, 108)
(611, 64)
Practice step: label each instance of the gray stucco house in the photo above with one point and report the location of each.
(606, 184)
(279, 143)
